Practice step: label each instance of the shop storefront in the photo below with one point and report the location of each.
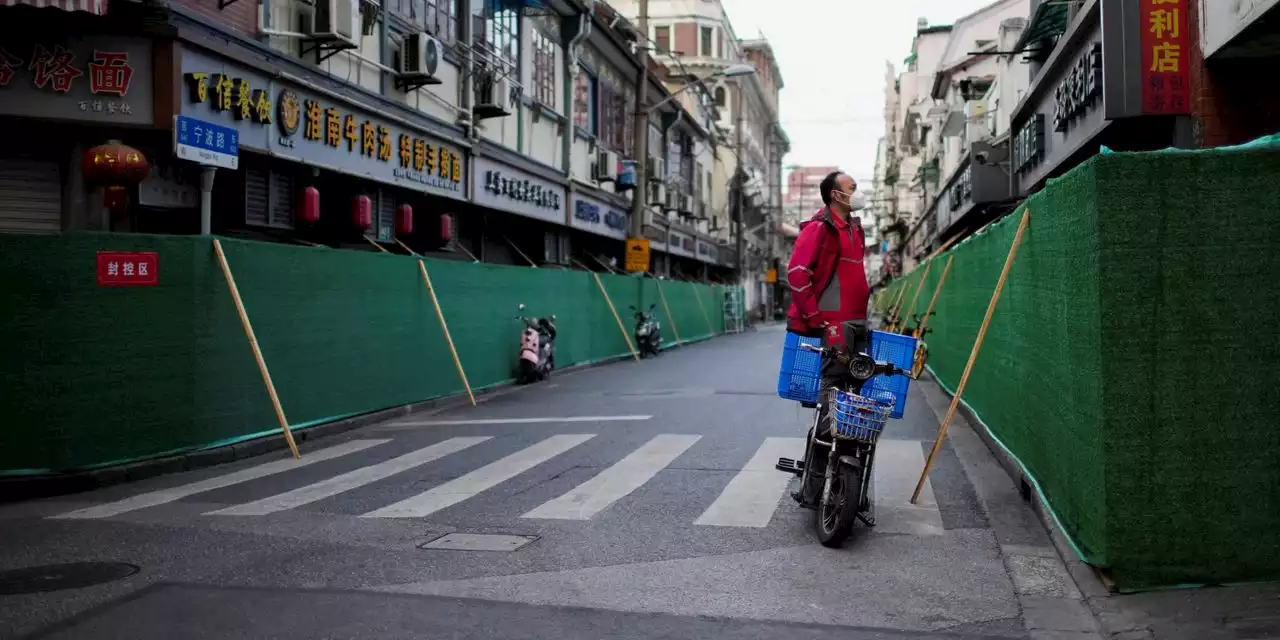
(604, 225)
(656, 234)
(976, 193)
(537, 224)
(1111, 80)
(317, 164)
(60, 97)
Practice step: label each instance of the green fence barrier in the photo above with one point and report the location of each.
(1131, 366)
(95, 376)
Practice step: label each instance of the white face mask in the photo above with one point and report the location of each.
(858, 201)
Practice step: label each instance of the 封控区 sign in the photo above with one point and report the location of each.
(128, 268)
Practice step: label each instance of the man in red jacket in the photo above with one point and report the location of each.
(828, 287)
(827, 277)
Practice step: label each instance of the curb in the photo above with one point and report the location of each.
(44, 486)
(1086, 577)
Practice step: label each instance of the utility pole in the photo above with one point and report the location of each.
(640, 144)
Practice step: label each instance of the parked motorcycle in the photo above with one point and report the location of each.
(841, 445)
(537, 348)
(648, 332)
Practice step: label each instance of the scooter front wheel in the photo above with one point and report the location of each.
(838, 508)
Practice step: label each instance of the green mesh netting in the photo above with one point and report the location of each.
(1132, 362)
(99, 375)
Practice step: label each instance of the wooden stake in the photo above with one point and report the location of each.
(924, 323)
(374, 243)
(257, 351)
(469, 254)
(944, 247)
(914, 298)
(897, 305)
(522, 255)
(453, 351)
(621, 327)
(406, 247)
(973, 355)
(603, 264)
(711, 331)
(663, 297)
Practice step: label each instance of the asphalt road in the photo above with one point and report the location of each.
(636, 500)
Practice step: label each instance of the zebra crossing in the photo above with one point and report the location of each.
(750, 499)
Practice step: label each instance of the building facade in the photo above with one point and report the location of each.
(697, 44)
(494, 131)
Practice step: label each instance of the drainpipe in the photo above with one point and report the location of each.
(468, 70)
(571, 74)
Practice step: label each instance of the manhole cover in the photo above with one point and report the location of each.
(478, 542)
(56, 577)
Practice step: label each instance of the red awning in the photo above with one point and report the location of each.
(98, 7)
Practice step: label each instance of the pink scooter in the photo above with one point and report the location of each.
(537, 348)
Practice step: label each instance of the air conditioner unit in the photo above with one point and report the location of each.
(334, 21)
(658, 194)
(421, 56)
(600, 167)
(493, 95)
(611, 166)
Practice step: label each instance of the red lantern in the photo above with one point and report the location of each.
(114, 166)
(404, 220)
(362, 212)
(309, 208)
(446, 228)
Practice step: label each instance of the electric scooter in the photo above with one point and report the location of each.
(537, 348)
(648, 332)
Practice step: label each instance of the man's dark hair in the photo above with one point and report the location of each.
(827, 186)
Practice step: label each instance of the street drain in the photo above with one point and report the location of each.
(478, 542)
(56, 577)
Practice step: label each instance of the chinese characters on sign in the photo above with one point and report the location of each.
(321, 131)
(206, 143)
(57, 70)
(521, 190)
(1166, 88)
(1079, 90)
(128, 269)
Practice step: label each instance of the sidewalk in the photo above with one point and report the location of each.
(1081, 607)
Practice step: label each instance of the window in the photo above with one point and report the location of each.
(437, 17)
(707, 36)
(612, 111)
(584, 101)
(720, 44)
(662, 37)
(544, 69)
(720, 97)
(497, 37)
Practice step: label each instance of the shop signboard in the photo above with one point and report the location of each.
(707, 251)
(656, 236)
(105, 79)
(1166, 52)
(681, 244)
(294, 122)
(596, 216)
(507, 188)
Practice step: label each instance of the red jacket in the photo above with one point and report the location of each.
(812, 272)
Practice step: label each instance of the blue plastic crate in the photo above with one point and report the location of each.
(901, 351)
(801, 370)
(860, 418)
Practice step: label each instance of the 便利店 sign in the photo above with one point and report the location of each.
(128, 268)
(1166, 43)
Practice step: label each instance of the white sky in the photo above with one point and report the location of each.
(832, 54)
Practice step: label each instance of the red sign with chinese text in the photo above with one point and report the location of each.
(128, 268)
(1166, 51)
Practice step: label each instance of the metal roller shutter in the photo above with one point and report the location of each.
(30, 197)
